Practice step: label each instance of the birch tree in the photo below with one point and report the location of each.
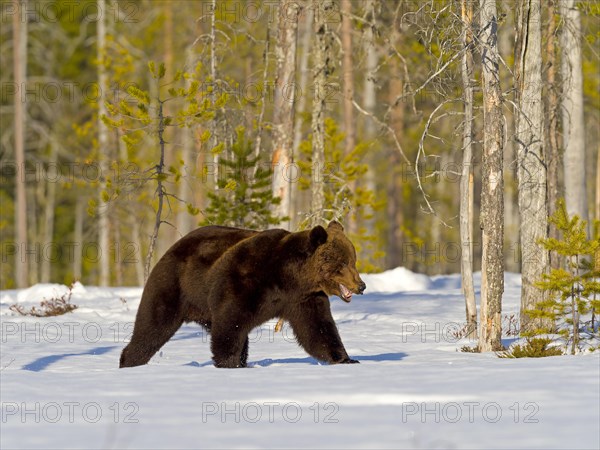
(573, 126)
(283, 108)
(20, 74)
(321, 48)
(551, 133)
(492, 184)
(348, 87)
(103, 231)
(466, 179)
(531, 166)
(304, 47)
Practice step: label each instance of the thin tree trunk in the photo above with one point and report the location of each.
(103, 225)
(49, 210)
(265, 87)
(119, 254)
(172, 134)
(370, 96)
(159, 190)
(283, 109)
(213, 125)
(551, 143)
(295, 198)
(20, 125)
(369, 93)
(139, 264)
(348, 86)
(573, 125)
(395, 213)
(492, 186)
(531, 166)
(506, 49)
(184, 192)
(321, 48)
(466, 199)
(598, 184)
(78, 238)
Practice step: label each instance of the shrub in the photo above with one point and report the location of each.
(56, 306)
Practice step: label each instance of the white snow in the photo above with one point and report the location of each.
(60, 386)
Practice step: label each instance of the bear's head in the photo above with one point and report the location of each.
(334, 260)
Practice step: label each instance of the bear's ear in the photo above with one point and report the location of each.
(335, 225)
(318, 236)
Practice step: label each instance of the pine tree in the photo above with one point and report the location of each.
(244, 197)
(573, 290)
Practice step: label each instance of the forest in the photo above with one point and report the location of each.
(126, 124)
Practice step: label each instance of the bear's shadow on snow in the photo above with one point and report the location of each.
(308, 360)
(42, 363)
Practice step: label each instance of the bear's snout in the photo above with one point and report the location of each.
(361, 287)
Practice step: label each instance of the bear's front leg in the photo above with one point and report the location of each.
(229, 345)
(316, 331)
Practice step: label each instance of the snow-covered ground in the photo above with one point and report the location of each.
(60, 386)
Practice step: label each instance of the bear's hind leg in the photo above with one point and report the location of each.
(147, 339)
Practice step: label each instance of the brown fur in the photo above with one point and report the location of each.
(231, 280)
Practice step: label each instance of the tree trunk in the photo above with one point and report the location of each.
(369, 92)
(573, 125)
(283, 109)
(531, 166)
(213, 124)
(370, 97)
(551, 133)
(20, 77)
(492, 184)
(395, 213)
(103, 225)
(49, 210)
(185, 221)
(598, 184)
(348, 86)
(78, 238)
(172, 134)
(466, 199)
(139, 264)
(321, 49)
(295, 198)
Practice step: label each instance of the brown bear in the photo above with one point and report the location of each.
(231, 280)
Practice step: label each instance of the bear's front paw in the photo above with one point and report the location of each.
(349, 361)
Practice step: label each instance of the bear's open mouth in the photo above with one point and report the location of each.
(345, 293)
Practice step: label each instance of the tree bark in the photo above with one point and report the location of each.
(184, 191)
(49, 213)
(531, 165)
(395, 213)
(348, 86)
(492, 186)
(103, 225)
(283, 109)
(20, 125)
(551, 134)
(321, 49)
(598, 184)
(78, 239)
(305, 43)
(369, 92)
(573, 125)
(466, 179)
